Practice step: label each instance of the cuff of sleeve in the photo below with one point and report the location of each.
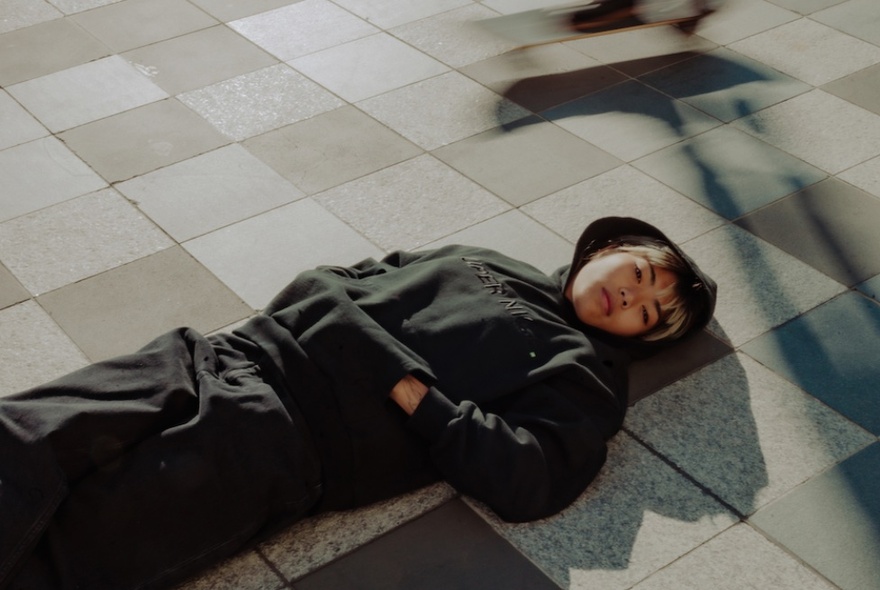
(433, 414)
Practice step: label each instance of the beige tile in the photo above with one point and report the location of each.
(119, 311)
(198, 59)
(260, 101)
(330, 149)
(76, 239)
(207, 192)
(391, 13)
(74, 6)
(859, 18)
(11, 291)
(54, 174)
(18, 14)
(19, 126)
(143, 139)
(244, 570)
(422, 198)
(85, 93)
(227, 10)
(866, 176)
(739, 19)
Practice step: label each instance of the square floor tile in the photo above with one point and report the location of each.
(638, 516)
(725, 84)
(630, 120)
(831, 522)
(859, 18)
(46, 48)
(331, 148)
(450, 547)
(861, 88)
(33, 349)
(18, 14)
(866, 176)
(527, 160)
(368, 66)
(622, 192)
(467, 108)
(806, 6)
(319, 540)
(11, 291)
(143, 139)
(429, 199)
(809, 51)
(260, 101)
(242, 571)
(729, 171)
(830, 352)
(119, 311)
(76, 239)
(831, 226)
(738, 19)
(871, 288)
(302, 28)
(74, 6)
(737, 558)
(134, 23)
(759, 286)
(257, 257)
(19, 126)
(227, 10)
(54, 174)
(85, 93)
(840, 134)
(764, 435)
(391, 13)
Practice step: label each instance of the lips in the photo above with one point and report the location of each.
(606, 302)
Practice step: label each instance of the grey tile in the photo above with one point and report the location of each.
(831, 522)
(832, 226)
(228, 10)
(391, 13)
(19, 126)
(750, 441)
(119, 311)
(725, 84)
(739, 19)
(527, 160)
(25, 13)
(74, 6)
(11, 291)
(729, 171)
(831, 353)
(806, 6)
(143, 139)
(198, 59)
(865, 176)
(630, 120)
(331, 148)
(861, 88)
(871, 288)
(46, 48)
(859, 18)
(449, 547)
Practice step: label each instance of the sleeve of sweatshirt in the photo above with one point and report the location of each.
(527, 461)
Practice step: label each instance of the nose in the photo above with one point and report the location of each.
(629, 296)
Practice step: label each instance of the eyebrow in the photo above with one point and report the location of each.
(653, 274)
(653, 280)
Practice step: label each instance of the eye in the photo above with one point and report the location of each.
(645, 317)
(638, 274)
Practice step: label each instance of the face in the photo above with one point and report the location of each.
(618, 292)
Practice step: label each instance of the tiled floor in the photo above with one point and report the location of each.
(169, 162)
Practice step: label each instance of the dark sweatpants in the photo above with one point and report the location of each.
(140, 470)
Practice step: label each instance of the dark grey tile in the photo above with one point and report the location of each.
(119, 311)
(871, 288)
(832, 521)
(450, 547)
(861, 88)
(831, 352)
(729, 171)
(11, 291)
(832, 226)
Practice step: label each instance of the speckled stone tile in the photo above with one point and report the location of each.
(198, 59)
(859, 18)
(636, 517)
(204, 193)
(831, 522)
(119, 311)
(45, 48)
(258, 102)
(725, 84)
(391, 13)
(840, 134)
(737, 558)
(18, 14)
(630, 120)
(257, 257)
(76, 239)
(85, 93)
(227, 10)
(368, 66)
(759, 286)
(315, 542)
(865, 176)
(861, 88)
(809, 51)
(429, 199)
(143, 139)
(729, 171)
(19, 126)
(331, 148)
(75, 6)
(527, 160)
(55, 174)
(622, 192)
(11, 291)
(33, 349)
(832, 226)
(302, 28)
(830, 353)
(764, 435)
(739, 19)
(245, 570)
